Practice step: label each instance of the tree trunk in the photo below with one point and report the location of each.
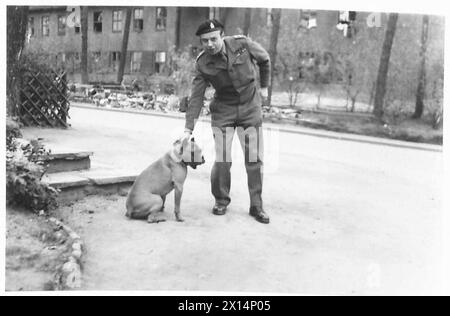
(17, 24)
(178, 29)
(247, 21)
(276, 14)
(422, 69)
(380, 91)
(84, 44)
(223, 15)
(123, 54)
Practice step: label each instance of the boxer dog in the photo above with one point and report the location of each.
(148, 194)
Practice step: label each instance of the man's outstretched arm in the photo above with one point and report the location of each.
(195, 106)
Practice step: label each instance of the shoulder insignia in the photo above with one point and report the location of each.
(239, 36)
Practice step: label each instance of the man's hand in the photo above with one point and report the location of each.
(187, 135)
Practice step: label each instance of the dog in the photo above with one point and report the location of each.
(147, 196)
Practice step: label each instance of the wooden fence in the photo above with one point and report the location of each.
(44, 99)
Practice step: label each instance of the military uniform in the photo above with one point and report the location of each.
(236, 103)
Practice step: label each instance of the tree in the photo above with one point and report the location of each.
(84, 44)
(276, 17)
(422, 72)
(126, 35)
(247, 21)
(181, 66)
(178, 28)
(384, 65)
(223, 16)
(17, 22)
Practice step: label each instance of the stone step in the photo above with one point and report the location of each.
(74, 185)
(65, 160)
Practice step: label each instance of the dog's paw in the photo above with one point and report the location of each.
(154, 219)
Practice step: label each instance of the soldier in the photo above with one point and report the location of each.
(228, 64)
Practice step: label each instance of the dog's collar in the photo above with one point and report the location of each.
(184, 163)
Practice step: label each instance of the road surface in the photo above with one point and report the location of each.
(346, 217)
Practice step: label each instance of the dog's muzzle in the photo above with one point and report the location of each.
(193, 164)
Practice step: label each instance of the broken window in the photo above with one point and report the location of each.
(98, 18)
(77, 29)
(308, 19)
(31, 26)
(96, 57)
(45, 26)
(117, 21)
(114, 60)
(160, 60)
(136, 61)
(161, 17)
(138, 20)
(346, 21)
(61, 25)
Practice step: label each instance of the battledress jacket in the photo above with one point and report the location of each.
(233, 76)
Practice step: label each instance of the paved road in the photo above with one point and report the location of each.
(347, 217)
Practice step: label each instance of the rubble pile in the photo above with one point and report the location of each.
(109, 98)
(144, 100)
(281, 113)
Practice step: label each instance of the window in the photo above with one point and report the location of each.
(214, 13)
(195, 51)
(308, 19)
(161, 17)
(307, 65)
(114, 60)
(98, 17)
(61, 25)
(117, 21)
(138, 20)
(61, 57)
(160, 60)
(77, 29)
(346, 20)
(136, 59)
(96, 56)
(45, 26)
(31, 26)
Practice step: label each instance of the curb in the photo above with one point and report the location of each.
(323, 134)
(70, 276)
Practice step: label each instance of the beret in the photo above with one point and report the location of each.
(209, 26)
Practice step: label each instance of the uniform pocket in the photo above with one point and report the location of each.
(244, 68)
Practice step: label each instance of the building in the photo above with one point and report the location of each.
(153, 31)
(307, 37)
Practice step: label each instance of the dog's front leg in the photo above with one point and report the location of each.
(178, 194)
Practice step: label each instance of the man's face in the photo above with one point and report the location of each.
(212, 42)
